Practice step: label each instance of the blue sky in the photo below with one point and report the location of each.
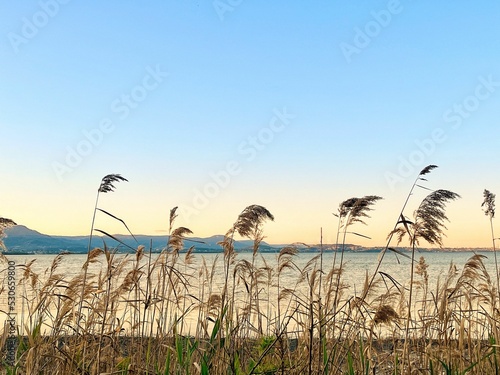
(215, 105)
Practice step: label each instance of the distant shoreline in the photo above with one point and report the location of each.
(267, 250)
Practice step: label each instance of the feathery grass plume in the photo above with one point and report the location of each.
(489, 203)
(423, 283)
(426, 170)
(385, 314)
(360, 208)
(108, 181)
(92, 256)
(173, 216)
(285, 258)
(250, 220)
(354, 210)
(139, 254)
(345, 207)
(189, 257)
(247, 225)
(429, 218)
(176, 240)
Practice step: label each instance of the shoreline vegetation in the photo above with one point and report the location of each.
(144, 314)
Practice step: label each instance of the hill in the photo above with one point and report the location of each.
(21, 240)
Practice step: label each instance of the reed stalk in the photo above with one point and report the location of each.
(428, 225)
(489, 210)
(400, 217)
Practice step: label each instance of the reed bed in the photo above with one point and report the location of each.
(145, 313)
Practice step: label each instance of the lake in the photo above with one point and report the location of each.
(357, 265)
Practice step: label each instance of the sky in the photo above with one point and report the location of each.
(212, 106)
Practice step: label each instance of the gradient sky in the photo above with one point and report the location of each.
(215, 105)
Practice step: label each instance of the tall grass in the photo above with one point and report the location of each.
(489, 210)
(427, 225)
(164, 313)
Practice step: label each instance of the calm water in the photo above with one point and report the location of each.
(357, 266)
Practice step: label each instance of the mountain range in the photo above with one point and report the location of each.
(23, 240)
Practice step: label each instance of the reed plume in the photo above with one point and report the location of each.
(250, 220)
(429, 218)
(176, 240)
(107, 182)
(354, 210)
